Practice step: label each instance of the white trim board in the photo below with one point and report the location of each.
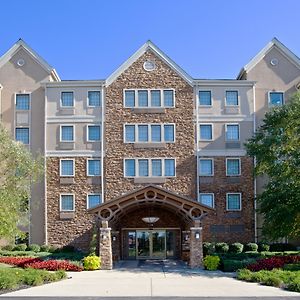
(224, 152)
(73, 153)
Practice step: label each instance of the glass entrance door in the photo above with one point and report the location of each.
(143, 244)
(159, 244)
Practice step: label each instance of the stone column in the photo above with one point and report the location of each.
(196, 251)
(105, 246)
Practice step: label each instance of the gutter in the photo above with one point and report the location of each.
(102, 143)
(197, 144)
(255, 179)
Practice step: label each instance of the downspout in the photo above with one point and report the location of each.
(102, 143)
(254, 179)
(45, 163)
(197, 144)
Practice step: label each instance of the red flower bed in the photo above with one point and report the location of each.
(38, 263)
(54, 265)
(274, 262)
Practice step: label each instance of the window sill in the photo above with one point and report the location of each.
(151, 110)
(66, 180)
(66, 215)
(66, 110)
(232, 145)
(94, 180)
(150, 180)
(233, 179)
(66, 145)
(231, 110)
(149, 145)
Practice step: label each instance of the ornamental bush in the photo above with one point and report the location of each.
(45, 248)
(8, 247)
(236, 248)
(211, 262)
(54, 265)
(263, 247)
(34, 248)
(91, 262)
(208, 248)
(251, 247)
(20, 247)
(222, 247)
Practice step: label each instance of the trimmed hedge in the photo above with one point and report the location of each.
(230, 265)
(236, 248)
(251, 247)
(263, 247)
(222, 247)
(208, 248)
(34, 248)
(20, 247)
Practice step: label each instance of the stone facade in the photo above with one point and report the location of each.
(182, 115)
(69, 228)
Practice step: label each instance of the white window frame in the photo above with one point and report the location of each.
(213, 199)
(60, 202)
(240, 167)
(87, 133)
(26, 93)
(162, 133)
(239, 132)
(87, 167)
(60, 167)
(60, 133)
(238, 98)
(29, 132)
(211, 99)
(269, 98)
(87, 98)
(136, 159)
(213, 166)
(60, 101)
(92, 194)
(212, 132)
(149, 98)
(240, 194)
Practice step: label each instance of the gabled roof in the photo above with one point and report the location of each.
(20, 44)
(149, 46)
(261, 54)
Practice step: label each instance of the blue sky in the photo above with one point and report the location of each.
(89, 39)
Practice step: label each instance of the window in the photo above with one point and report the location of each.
(275, 98)
(206, 132)
(149, 98)
(233, 167)
(129, 133)
(206, 166)
(22, 102)
(155, 133)
(148, 167)
(233, 201)
(143, 133)
(169, 133)
(67, 133)
(232, 98)
(207, 199)
(94, 133)
(143, 98)
(94, 98)
(67, 99)
(143, 167)
(22, 135)
(129, 167)
(93, 200)
(168, 98)
(93, 167)
(205, 98)
(129, 98)
(232, 132)
(67, 167)
(67, 202)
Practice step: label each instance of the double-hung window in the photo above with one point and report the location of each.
(233, 201)
(169, 133)
(22, 102)
(67, 167)
(156, 167)
(205, 98)
(155, 133)
(232, 132)
(94, 98)
(233, 167)
(22, 135)
(143, 167)
(93, 133)
(155, 98)
(93, 200)
(129, 133)
(169, 167)
(207, 199)
(143, 98)
(129, 165)
(67, 133)
(67, 202)
(143, 133)
(168, 98)
(129, 99)
(93, 167)
(276, 99)
(206, 133)
(67, 99)
(232, 98)
(206, 167)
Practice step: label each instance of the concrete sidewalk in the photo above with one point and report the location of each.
(135, 279)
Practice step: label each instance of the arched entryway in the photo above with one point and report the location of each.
(151, 223)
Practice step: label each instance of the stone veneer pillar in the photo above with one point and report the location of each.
(105, 248)
(196, 250)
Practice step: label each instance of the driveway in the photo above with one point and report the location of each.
(153, 279)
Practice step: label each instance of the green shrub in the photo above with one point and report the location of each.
(211, 262)
(91, 262)
(281, 247)
(20, 247)
(230, 265)
(45, 248)
(272, 281)
(294, 286)
(34, 248)
(236, 248)
(222, 247)
(67, 248)
(53, 249)
(292, 267)
(8, 247)
(208, 248)
(8, 280)
(251, 247)
(263, 247)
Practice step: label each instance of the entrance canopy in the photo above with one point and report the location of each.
(151, 196)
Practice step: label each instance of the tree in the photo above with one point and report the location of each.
(18, 170)
(276, 148)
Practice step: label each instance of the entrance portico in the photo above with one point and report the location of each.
(151, 223)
